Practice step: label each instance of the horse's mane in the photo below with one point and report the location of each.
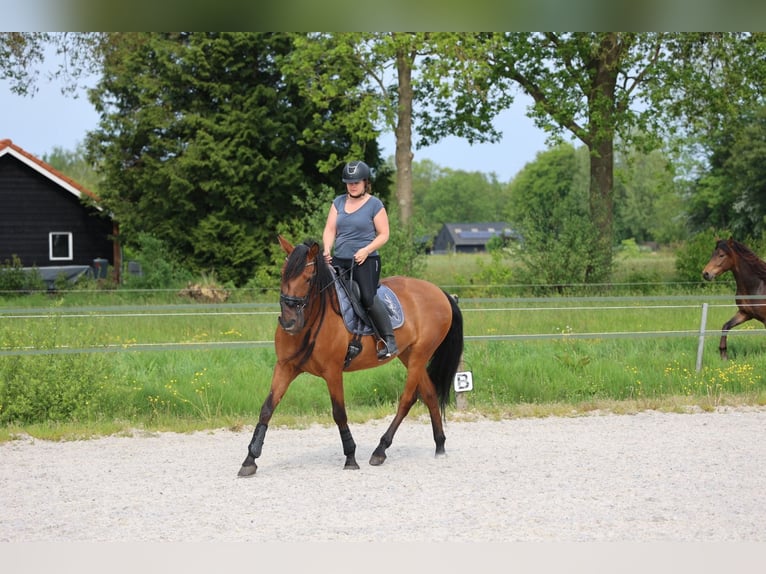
(747, 255)
(320, 291)
(296, 264)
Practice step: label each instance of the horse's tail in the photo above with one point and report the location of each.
(446, 359)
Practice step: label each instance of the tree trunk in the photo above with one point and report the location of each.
(602, 209)
(601, 103)
(403, 156)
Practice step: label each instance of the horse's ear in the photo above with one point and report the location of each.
(313, 252)
(286, 245)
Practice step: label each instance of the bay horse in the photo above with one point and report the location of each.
(750, 275)
(311, 337)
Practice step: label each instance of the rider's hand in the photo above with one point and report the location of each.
(361, 256)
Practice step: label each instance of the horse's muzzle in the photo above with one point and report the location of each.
(291, 326)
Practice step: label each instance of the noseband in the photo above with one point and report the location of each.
(297, 303)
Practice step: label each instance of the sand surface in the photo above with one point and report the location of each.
(645, 477)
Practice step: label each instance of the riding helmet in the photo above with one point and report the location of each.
(355, 171)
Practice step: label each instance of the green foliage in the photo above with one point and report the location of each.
(159, 265)
(732, 193)
(498, 271)
(402, 255)
(203, 142)
(648, 203)
(693, 255)
(15, 280)
(550, 211)
(75, 165)
(450, 196)
(65, 388)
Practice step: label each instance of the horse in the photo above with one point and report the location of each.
(750, 275)
(312, 337)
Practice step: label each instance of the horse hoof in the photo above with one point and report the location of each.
(377, 460)
(247, 470)
(351, 463)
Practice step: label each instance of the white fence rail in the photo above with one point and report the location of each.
(499, 305)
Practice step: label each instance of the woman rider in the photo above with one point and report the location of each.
(357, 225)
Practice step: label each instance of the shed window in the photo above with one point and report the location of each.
(60, 245)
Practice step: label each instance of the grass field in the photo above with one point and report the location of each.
(87, 363)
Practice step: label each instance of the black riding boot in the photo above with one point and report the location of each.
(379, 316)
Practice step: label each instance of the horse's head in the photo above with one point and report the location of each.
(298, 285)
(722, 259)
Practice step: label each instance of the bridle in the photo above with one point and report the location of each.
(298, 304)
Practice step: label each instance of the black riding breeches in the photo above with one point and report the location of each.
(366, 275)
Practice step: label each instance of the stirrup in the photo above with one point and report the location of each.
(385, 351)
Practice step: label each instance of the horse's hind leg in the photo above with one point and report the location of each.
(428, 396)
(737, 319)
(407, 400)
(405, 404)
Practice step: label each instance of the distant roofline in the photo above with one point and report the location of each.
(7, 147)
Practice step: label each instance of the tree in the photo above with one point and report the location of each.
(732, 193)
(638, 86)
(549, 208)
(202, 143)
(457, 196)
(648, 202)
(22, 52)
(392, 76)
(74, 164)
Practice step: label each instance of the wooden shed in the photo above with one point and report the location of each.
(45, 222)
(470, 237)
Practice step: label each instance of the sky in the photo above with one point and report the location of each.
(49, 120)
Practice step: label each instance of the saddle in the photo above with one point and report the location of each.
(355, 316)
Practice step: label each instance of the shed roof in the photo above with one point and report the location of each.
(7, 147)
(477, 233)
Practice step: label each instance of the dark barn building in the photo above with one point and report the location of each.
(45, 223)
(470, 237)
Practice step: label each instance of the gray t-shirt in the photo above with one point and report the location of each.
(355, 230)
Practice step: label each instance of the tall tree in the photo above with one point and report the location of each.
(392, 76)
(648, 202)
(599, 86)
(732, 193)
(202, 144)
(550, 211)
(74, 164)
(459, 196)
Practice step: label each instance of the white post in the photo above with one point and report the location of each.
(701, 344)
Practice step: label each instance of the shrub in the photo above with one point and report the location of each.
(693, 255)
(14, 279)
(160, 268)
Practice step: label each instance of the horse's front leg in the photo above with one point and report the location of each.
(280, 380)
(337, 398)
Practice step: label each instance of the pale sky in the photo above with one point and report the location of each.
(48, 120)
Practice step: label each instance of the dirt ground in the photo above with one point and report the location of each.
(649, 477)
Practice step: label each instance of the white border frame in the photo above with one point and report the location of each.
(69, 243)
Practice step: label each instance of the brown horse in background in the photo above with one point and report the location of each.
(750, 275)
(312, 338)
